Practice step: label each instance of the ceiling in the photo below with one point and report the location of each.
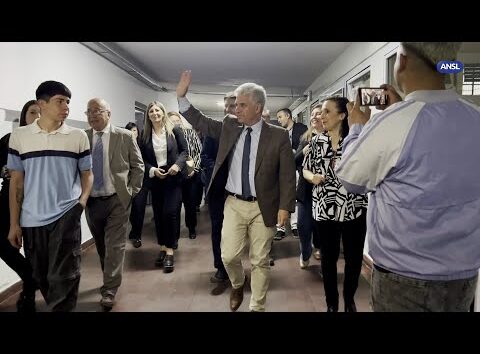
(285, 69)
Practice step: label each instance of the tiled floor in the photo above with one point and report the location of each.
(147, 288)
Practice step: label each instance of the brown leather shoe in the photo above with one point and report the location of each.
(236, 296)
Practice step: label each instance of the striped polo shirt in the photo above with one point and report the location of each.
(51, 162)
(420, 159)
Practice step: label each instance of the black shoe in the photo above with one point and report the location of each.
(220, 277)
(175, 245)
(350, 307)
(168, 263)
(332, 309)
(280, 235)
(272, 262)
(26, 303)
(295, 233)
(160, 259)
(192, 235)
(137, 243)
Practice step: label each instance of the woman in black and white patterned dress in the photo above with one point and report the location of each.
(337, 213)
(192, 183)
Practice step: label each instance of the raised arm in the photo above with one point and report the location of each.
(207, 126)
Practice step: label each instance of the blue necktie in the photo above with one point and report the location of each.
(246, 192)
(97, 162)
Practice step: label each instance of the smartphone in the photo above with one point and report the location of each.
(373, 96)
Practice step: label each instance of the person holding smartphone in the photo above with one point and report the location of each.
(164, 151)
(417, 158)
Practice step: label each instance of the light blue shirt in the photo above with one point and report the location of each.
(420, 159)
(234, 181)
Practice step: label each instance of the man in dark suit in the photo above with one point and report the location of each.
(256, 167)
(118, 176)
(295, 132)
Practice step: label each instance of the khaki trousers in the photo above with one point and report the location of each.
(243, 221)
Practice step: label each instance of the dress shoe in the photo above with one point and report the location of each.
(295, 233)
(271, 261)
(137, 243)
(160, 259)
(280, 235)
(192, 234)
(26, 303)
(332, 309)
(236, 296)
(107, 301)
(219, 277)
(168, 263)
(350, 307)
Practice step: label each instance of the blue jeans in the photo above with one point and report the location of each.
(306, 227)
(396, 293)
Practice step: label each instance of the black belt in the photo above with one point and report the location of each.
(241, 197)
(380, 269)
(104, 197)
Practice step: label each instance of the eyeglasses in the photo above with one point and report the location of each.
(96, 112)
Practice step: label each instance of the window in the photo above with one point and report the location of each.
(471, 79)
(360, 80)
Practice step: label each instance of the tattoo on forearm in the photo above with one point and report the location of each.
(19, 196)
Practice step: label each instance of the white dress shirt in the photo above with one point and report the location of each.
(160, 148)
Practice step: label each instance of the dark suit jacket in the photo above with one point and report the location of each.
(177, 151)
(274, 166)
(126, 164)
(297, 132)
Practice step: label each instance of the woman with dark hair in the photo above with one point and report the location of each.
(337, 213)
(9, 254)
(139, 202)
(164, 151)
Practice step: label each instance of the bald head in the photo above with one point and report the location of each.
(416, 64)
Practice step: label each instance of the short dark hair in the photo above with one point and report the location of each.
(287, 111)
(48, 89)
(23, 114)
(130, 126)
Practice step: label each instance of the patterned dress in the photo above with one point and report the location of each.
(330, 199)
(194, 147)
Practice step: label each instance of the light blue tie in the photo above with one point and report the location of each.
(97, 162)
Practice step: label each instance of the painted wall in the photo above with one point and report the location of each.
(23, 66)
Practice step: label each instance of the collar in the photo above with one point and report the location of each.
(105, 130)
(257, 127)
(64, 128)
(431, 96)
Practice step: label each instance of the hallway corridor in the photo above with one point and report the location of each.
(146, 288)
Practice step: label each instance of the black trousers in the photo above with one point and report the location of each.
(352, 233)
(166, 204)
(216, 204)
(189, 198)
(54, 253)
(11, 255)
(137, 214)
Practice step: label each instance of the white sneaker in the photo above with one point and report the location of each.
(303, 264)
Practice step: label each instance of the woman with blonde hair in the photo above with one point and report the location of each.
(164, 151)
(192, 182)
(306, 224)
